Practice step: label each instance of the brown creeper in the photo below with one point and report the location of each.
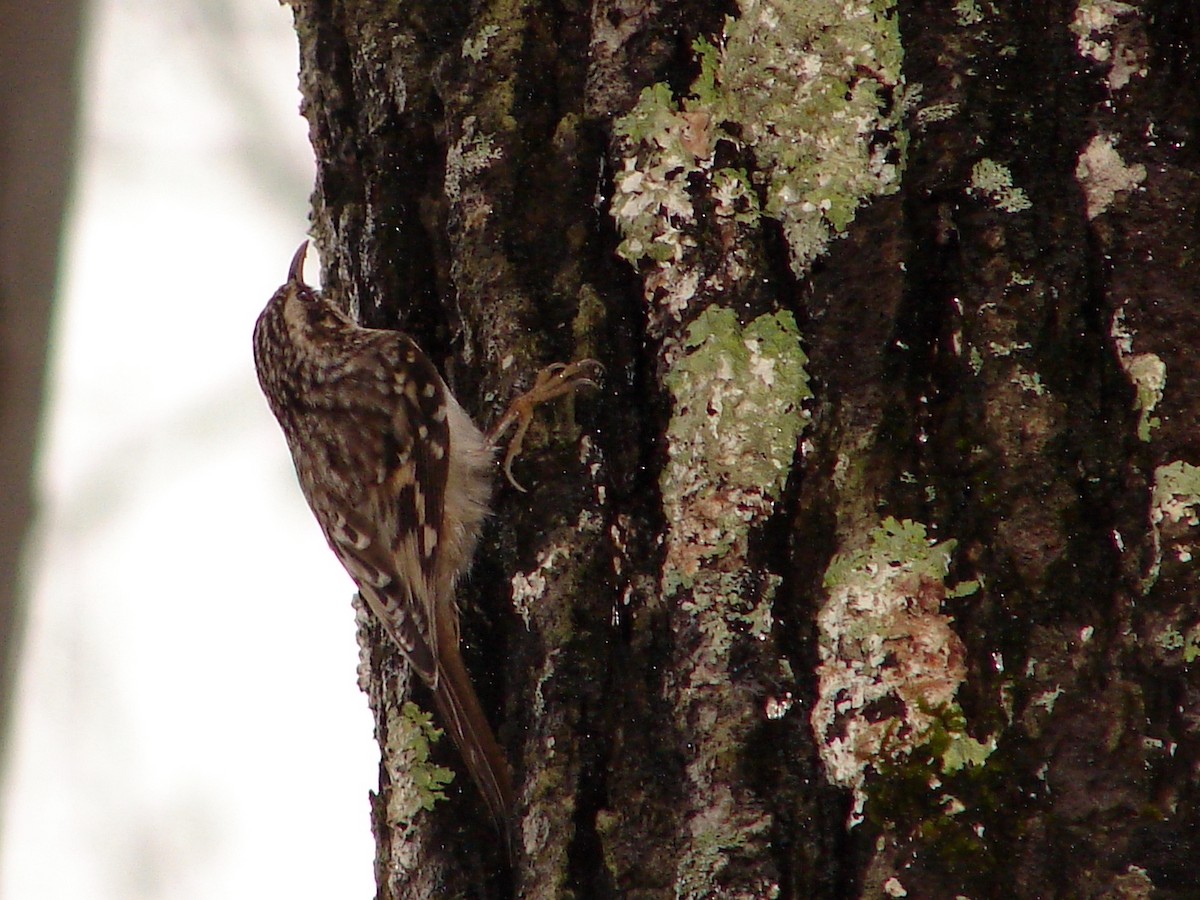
(399, 479)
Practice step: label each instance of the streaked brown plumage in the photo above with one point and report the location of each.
(399, 479)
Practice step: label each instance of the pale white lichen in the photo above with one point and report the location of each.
(890, 664)
(1146, 371)
(475, 47)
(528, 588)
(1102, 174)
(778, 707)
(537, 826)
(652, 203)
(994, 181)
(1092, 20)
(1134, 884)
(1047, 699)
(935, 112)
(472, 153)
(1009, 348)
(1098, 37)
(363, 618)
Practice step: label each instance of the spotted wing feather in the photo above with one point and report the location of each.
(388, 536)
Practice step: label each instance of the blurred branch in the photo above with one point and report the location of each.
(39, 47)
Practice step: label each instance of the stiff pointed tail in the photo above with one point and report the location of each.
(461, 715)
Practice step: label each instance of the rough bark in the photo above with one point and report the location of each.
(870, 570)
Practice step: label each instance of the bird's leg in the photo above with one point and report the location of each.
(552, 382)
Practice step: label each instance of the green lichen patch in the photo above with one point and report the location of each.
(967, 12)
(1171, 640)
(1176, 493)
(714, 843)
(994, 181)
(417, 783)
(732, 437)
(975, 359)
(1029, 381)
(738, 395)
(652, 204)
(1174, 503)
(810, 86)
(808, 89)
(1191, 645)
(891, 665)
(965, 751)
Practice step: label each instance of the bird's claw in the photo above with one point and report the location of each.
(552, 382)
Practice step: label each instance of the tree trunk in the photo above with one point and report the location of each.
(39, 61)
(870, 569)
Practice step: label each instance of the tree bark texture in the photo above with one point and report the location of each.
(870, 572)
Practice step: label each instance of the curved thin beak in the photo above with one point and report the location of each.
(296, 269)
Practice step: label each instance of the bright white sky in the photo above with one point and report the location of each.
(188, 720)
